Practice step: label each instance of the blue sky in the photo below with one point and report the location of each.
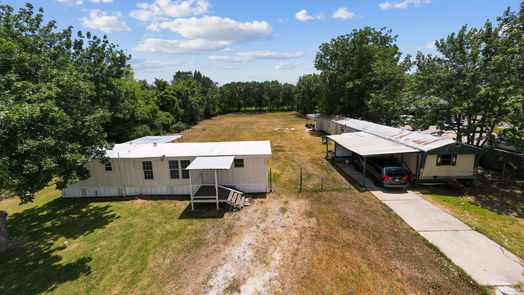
(232, 40)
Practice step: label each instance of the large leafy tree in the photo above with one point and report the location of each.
(363, 75)
(59, 95)
(512, 41)
(287, 96)
(474, 84)
(308, 93)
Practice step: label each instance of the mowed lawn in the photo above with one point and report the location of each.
(497, 213)
(355, 244)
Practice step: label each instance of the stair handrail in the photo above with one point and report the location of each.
(234, 190)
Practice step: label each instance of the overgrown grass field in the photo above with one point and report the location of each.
(150, 245)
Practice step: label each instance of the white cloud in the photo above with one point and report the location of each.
(216, 28)
(162, 9)
(402, 4)
(286, 65)
(180, 46)
(205, 34)
(105, 22)
(267, 54)
(247, 56)
(428, 46)
(80, 2)
(228, 59)
(145, 65)
(142, 65)
(303, 16)
(343, 13)
(77, 2)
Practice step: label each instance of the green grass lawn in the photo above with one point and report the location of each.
(355, 245)
(504, 227)
(105, 246)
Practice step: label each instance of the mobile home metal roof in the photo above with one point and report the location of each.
(206, 163)
(417, 140)
(366, 144)
(154, 139)
(313, 116)
(191, 149)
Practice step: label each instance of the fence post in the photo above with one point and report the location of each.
(300, 190)
(270, 180)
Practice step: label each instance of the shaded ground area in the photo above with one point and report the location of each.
(338, 241)
(38, 258)
(493, 194)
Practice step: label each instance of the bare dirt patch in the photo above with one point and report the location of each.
(264, 245)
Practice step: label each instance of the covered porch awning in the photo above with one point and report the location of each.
(366, 144)
(369, 145)
(207, 193)
(211, 163)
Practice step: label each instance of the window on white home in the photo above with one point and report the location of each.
(173, 169)
(446, 160)
(239, 163)
(108, 166)
(183, 165)
(147, 166)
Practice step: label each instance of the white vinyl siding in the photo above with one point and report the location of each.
(128, 176)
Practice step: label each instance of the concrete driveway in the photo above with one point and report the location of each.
(485, 261)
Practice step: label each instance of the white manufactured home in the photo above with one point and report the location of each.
(429, 158)
(207, 171)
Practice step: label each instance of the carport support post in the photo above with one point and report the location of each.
(364, 173)
(191, 192)
(216, 187)
(417, 172)
(327, 146)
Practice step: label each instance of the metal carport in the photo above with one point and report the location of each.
(366, 145)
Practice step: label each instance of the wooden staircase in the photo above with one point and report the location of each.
(236, 200)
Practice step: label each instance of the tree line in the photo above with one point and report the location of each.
(473, 86)
(65, 96)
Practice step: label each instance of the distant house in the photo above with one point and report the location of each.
(427, 157)
(207, 171)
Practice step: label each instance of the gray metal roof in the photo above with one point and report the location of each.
(313, 116)
(366, 144)
(154, 139)
(417, 140)
(191, 149)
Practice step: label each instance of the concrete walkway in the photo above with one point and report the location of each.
(485, 261)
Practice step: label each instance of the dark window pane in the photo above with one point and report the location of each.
(445, 159)
(109, 166)
(239, 163)
(395, 172)
(173, 169)
(183, 165)
(148, 174)
(173, 164)
(147, 166)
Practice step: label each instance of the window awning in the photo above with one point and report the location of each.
(366, 144)
(211, 163)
